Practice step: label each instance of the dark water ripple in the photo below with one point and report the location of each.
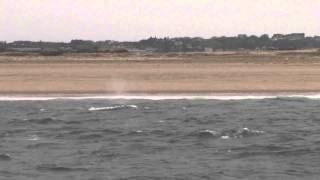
(5, 157)
(56, 168)
(169, 139)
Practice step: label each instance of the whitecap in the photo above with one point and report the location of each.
(131, 106)
(33, 138)
(225, 137)
(113, 107)
(42, 109)
(100, 108)
(245, 129)
(214, 133)
(207, 133)
(245, 132)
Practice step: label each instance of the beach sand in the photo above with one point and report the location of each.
(228, 72)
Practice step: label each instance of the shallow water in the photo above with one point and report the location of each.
(168, 139)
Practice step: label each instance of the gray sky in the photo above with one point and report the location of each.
(63, 20)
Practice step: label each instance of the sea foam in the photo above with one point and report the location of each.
(113, 107)
(222, 96)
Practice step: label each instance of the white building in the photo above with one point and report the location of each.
(208, 49)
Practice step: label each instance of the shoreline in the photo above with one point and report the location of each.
(160, 92)
(157, 96)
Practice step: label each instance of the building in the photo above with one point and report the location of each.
(295, 36)
(277, 37)
(290, 37)
(207, 49)
(25, 44)
(3, 45)
(317, 38)
(177, 43)
(83, 46)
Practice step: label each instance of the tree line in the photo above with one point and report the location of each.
(181, 44)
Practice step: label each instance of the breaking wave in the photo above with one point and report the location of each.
(117, 107)
(212, 96)
(226, 134)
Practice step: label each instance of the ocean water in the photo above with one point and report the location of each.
(275, 138)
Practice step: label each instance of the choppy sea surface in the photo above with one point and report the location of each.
(276, 138)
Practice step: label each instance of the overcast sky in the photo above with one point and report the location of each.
(63, 20)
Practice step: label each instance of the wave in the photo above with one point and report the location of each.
(42, 145)
(42, 121)
(93, 136)
(5, 157)
(227, 134)
(45, 121)
(209, 96)
(33, 138)
(56, 168)
(117, 107)
(270, 150)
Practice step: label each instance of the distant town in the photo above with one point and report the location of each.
(292, 41)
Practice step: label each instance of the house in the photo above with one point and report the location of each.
(150, 49)
(3, 45)
(277, 37)
(207, 49)
(83, 46)
(177, 43)
(25, 44)
(290, 37)
(317, 38)
(295, 36)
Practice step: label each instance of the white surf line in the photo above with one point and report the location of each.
(216, 96)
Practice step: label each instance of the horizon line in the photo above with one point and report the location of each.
(163, 37)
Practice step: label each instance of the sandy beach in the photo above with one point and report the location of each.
(227, 72)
